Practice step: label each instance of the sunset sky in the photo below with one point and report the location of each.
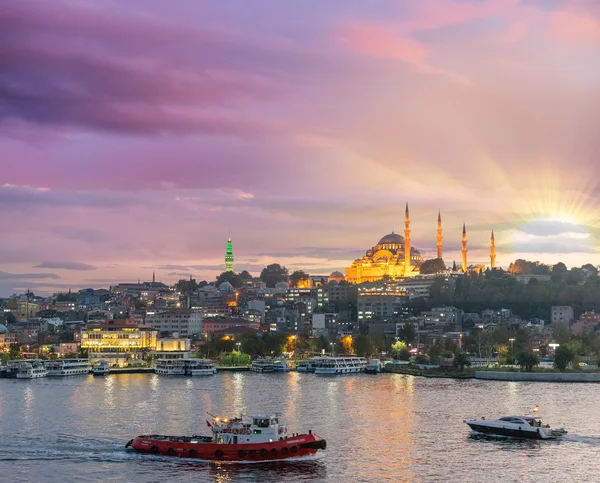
(136, 135)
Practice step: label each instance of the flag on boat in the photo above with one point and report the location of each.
(208, 424)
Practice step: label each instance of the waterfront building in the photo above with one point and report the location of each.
(171, 348)
(391, 257)
(187, 323)
(562, 314)
(229, 256)
(118, 341)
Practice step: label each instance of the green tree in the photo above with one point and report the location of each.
(398, 349)
(298, 276)
(561, 334)
(363, 346)
(186, 287)
(407, 333)
(558, 271)
(434, 265)
(527, 360)
(233, 278)
(461, 360)
(563, 356)
(273, 273)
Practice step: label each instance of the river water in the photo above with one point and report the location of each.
(388, 427)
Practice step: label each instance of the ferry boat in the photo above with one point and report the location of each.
(31, 370)
(522, 427)
(262, 365)
(200, 367)
(341, 365)
(100, 368)
(67, 367)
(281, 366)
(374, 366)
(261, 438)
(308, 366)
(169, 367)
(11, 368)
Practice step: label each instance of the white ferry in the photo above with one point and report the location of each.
(281, 366)
(262, 365)
(31, 370)
(309, 365)
(100, 368)
(200, 367)
(68, 367)
(170, 367)
(341, 365)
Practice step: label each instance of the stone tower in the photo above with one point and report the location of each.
(406, 242)
(229, 256)
(439, 236)
(464, 249)
(492, 252)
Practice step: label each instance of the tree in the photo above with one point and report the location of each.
(245, 275)
(186, 287)
(563, 356)
(363, 346)
(347, 344)
(461, 360)
(527, 360)
(233, 278)
(407, 333)
(398, 349)
(298, 276)
(435, 265)
(558, 271)
(590, 268)
(561, 334)
(520, 266)
(274, 273)
(10, 318)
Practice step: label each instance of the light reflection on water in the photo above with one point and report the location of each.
(378, 428)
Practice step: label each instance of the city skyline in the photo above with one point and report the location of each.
(133, 143)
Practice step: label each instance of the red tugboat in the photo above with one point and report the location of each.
(261, 438)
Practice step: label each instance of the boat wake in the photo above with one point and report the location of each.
(575, 438)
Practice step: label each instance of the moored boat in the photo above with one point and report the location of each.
(373, 367)
(169, 367)
(281, 366)
(523, 427)
(67, 367)
(200, 367)
(261, 438)
(341, 365)
(31, 370)
(262, 365)
(100, 368)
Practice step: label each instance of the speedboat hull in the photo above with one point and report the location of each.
(509, 432)
(206, 449)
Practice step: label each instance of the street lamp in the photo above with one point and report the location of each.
(332, 344)
(512, 351)
(239, 344)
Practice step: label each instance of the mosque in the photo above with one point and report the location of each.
(394, 257)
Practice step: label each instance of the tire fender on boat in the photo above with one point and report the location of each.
(218, 454)
(154, 450)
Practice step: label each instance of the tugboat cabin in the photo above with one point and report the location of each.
(263, 428)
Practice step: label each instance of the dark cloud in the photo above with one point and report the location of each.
(67, 266)
(178, 274)
(27, 276)
(24, 195)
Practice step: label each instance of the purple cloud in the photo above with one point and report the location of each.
(67, 266)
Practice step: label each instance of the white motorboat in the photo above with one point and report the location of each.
(374, 366)
(31, 370)
(341, 365)
(262, 365)
(68, 367)
(100, 368)
(524, 427)
(200, 367)
(169, 367)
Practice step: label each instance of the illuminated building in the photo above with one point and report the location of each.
(492, 252)
(392, 257)
(118, 341)
(229, 256)
(464, 249)
(186, 323)
(336, 276)
(379, 303)
(26, 310)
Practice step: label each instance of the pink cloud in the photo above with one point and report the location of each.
(574, 28)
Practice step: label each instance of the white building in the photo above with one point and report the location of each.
(562, 314)
(187, 323)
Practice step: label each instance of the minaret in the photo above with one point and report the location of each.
(406, 242)
(464, 249)
(229, 257)
(153, 278)
(439, 236)
(492, 252)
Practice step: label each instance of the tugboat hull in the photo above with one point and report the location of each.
(204, 448)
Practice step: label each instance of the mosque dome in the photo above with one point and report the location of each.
(391, 239)
(281, 286)
(226, 287)
(336, 276)
(3, 329)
